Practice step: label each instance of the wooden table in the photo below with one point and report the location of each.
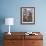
(20, 39)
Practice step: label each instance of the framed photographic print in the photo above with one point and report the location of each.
(27, 15)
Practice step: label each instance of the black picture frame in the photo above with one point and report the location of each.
(27, 15)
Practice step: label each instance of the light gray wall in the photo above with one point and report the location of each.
(11, 8)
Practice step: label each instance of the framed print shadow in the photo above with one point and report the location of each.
(27, 15)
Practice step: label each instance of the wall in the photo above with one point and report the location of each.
(11, 8)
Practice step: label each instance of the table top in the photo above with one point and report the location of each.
(22, 35)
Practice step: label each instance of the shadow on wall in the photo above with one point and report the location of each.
(2, 21)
